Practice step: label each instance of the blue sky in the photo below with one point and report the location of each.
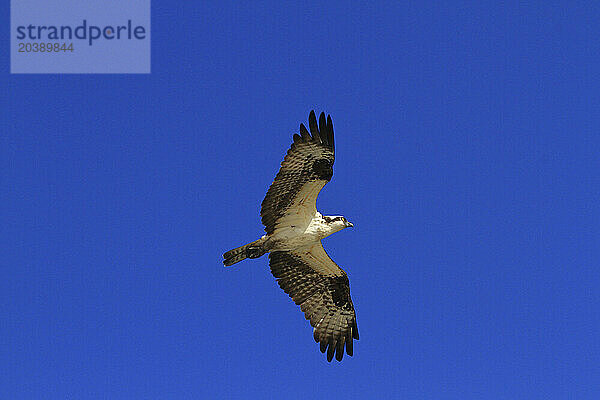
(467, 158)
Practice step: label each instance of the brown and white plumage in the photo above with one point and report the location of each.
(322, 291)
(306, 168)
(294, 229)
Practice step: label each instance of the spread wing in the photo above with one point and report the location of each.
(322, 291)
(306, 168)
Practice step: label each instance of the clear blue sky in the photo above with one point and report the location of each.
(467, 158)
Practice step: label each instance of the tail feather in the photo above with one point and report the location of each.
(250, 250)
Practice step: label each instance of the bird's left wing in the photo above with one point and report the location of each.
(322, 291)
(306, 168)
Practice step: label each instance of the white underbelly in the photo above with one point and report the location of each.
(291, 242)
(291, 238)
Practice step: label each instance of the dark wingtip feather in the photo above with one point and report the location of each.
(323, 347)
(330, 350)
(323, 129)
(304, 132)
(330, 132)
(349, 346)
(312, 124)
(339, 350)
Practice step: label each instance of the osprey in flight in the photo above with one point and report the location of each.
(294, 231)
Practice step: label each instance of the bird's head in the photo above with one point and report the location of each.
(337, 223)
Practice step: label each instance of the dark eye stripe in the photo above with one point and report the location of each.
(330, 220)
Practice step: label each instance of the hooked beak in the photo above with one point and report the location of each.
(349, 224)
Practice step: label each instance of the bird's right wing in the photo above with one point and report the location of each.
(322, 291)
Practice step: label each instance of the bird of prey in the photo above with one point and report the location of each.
(294, 229)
